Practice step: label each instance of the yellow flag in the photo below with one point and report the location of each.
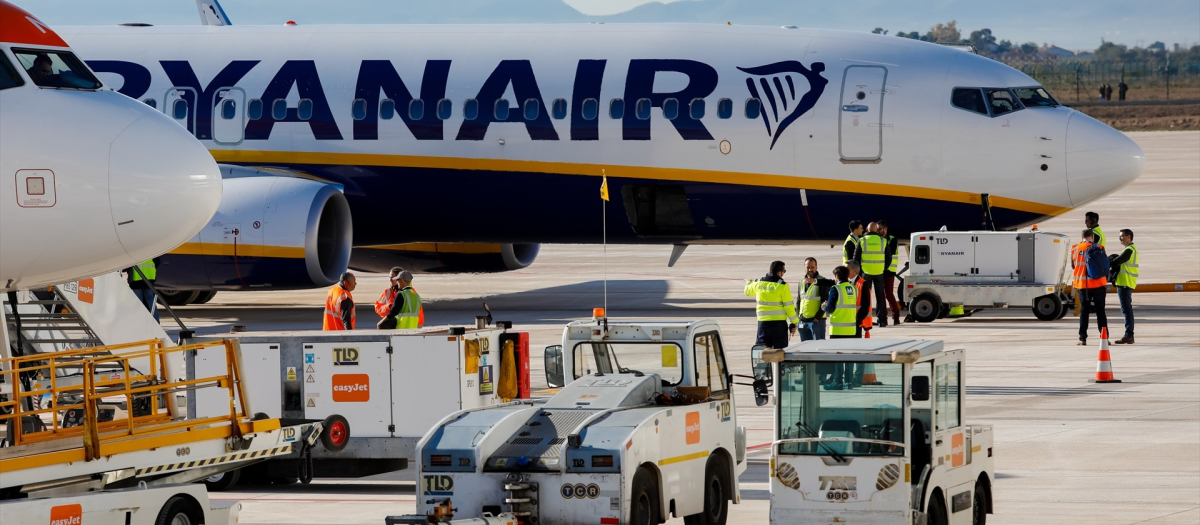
(604, 186)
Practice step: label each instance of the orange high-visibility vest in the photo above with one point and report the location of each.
(383, 305)
(1079, 275)
(333, 309)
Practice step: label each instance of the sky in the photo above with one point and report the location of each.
(1072, 24)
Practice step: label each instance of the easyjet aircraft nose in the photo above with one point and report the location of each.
(163, 185)
(1100, 159)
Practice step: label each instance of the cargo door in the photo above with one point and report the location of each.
(351, 379)
(260, 362)
(952, 254)
(860, 127)
(1026, 262)
(428, 379)
(179, 103)
(996, 256)
(229, 116)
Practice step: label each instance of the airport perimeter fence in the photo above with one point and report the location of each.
(1079, 80)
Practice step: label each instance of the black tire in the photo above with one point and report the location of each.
(205, 296)
(925, 308)
(223, 481)
(1047, 307)
(936, 511)
(979, 505)
(644, 506)
(336, 434)
(716, 494)
(178, 297)
(179, 510)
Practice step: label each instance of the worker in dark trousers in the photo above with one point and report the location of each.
(891, 255)
(149, 269)
(870, 257)
(1091, 290)
(1127, 275)
(851, 244)
(776, 311)
(813, 291)
(842, 309)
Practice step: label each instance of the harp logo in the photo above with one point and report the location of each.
(783, 100)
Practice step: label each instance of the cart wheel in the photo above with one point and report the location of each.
(936, 511)
(644, 509)
(1048, 307)
(223, 481)
(716, 495)
(179, 510)
(336, 434)
(925, 308)
(978, 507)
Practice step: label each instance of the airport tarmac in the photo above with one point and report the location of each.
(1067, 451)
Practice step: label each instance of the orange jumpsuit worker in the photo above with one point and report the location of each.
(339, 304)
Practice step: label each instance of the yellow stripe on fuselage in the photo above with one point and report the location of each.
(633, 172)
(243, 250)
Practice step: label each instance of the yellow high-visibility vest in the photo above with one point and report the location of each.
(872, 254)
(845, 317)
(774, 301)
(1128, 275)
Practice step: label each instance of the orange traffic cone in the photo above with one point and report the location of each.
(869, 377)
(1104, 373)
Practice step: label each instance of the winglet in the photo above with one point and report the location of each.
(211, 13)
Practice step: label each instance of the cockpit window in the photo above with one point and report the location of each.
(56, 69)
(8, 75)
(1001, 101)
(970, 99)
(1033, 97)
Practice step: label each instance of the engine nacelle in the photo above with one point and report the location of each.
(271, 232)
(445, 257)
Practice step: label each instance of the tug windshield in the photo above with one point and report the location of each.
(830, 400)
(664, 359)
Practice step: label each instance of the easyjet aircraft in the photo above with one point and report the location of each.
(494, 138)
(92, 181)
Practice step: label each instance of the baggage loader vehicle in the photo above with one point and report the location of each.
(986, 269)
(646, 429)
(895, 451)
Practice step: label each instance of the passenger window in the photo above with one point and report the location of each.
(696, 108)
(724, 108)
(558, 108)
(387, 109)
(8, 74)
(445, 109)
(1002, 101)
(753, 108)
(970, 99)
(279, 109)
(501, 110)
(149, 102)
(710, 365)
(416, 109)
(254, 109)
(228, 110)
(946, 386)
(670, 108)
(591, 108)
(359, 109)
(305, 109)
(642, 109)
(616, 108)
(533, 109)
(471, 109)
(180, 109)
(921, 254)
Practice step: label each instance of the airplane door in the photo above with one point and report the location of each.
(178, 104)
(229, 116)
(860, 130)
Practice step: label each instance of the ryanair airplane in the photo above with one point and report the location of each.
(462, 147)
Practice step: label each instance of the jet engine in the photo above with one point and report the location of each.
(272, 231)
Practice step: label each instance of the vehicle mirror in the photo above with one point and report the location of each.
(920, 388)
(760, 392)
(760, 368)
(554, 366)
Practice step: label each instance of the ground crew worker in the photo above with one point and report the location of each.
(1091, 219)
(870, 256)
(776, 311)
(813, 291)
(891, 254)
(384, 303)
(842, 309)
(405, 310)
(1091, 291)
(1126, 283)
(851, 244)
(339, 304)
(139, 285)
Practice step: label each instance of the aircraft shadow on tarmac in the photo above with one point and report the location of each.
(625, 295)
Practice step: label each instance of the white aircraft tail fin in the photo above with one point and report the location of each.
(211, 13)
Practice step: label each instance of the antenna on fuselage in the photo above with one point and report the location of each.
(211, 13)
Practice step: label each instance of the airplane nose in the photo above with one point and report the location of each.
(1100, 159)
(163, 186)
